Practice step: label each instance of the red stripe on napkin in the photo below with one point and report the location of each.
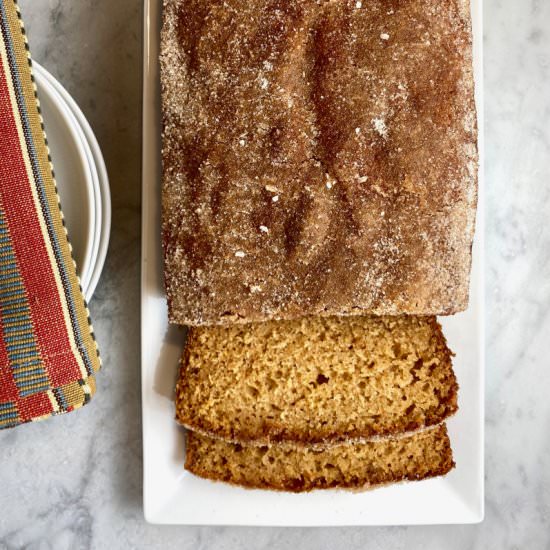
(32, 255)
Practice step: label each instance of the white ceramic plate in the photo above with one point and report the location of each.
(173, 496)
(73, 173)
(81, 178)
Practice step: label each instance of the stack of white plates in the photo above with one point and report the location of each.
(81, 178)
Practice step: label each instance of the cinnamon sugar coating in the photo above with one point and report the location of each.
(319, 157)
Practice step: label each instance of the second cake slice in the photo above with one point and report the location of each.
(316, 381)
(357, 466)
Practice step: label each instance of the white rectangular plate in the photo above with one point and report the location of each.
(173, 496)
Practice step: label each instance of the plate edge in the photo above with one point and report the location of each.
(478, 513)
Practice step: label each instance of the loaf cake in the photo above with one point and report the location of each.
(319, 157)
(357, 466)
(316, 381)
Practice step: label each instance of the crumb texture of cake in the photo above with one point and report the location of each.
(316, 381)
(319, 157)
(358, 466)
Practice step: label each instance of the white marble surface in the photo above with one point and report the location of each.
(74, 482)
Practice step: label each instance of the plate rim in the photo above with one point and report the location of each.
(45, 88)
(101, 186)
(474, 509)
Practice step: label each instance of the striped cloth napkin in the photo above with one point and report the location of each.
(48, 354)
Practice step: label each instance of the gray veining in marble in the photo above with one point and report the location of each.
(74, 482)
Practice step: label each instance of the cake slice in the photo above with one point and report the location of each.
(316, 381)
(356, 466)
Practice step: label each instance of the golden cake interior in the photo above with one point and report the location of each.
(356, 466)
(317, 379)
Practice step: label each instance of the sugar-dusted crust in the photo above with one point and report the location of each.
(356, 466)
(319, 157)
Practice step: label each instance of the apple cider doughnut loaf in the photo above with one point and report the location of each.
(319, 157)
